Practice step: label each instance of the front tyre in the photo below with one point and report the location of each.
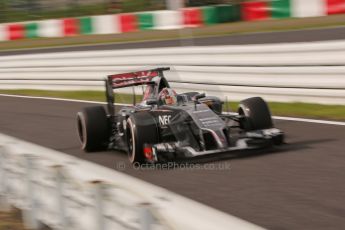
(141, 129)
(93, 128)
(256, 114)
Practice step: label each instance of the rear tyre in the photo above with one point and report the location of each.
(256, 114)
(141, 130)
(93, 129)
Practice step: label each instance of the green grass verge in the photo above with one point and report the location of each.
(11, 220)
(77, 95)
(305, 110)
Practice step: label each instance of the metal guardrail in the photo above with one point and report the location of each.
(304, 72)
(65, 192)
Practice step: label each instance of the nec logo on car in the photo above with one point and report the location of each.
(164, 120)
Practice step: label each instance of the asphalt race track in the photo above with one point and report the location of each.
(297, 186)
(309, 35)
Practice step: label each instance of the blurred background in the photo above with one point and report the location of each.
(20, 10)
(20, 19)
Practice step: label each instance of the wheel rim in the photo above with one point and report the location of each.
(130, 144)
(131, 141)
(81, 126)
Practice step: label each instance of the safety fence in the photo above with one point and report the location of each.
(301, 72)
(167, 19)
(64, 192)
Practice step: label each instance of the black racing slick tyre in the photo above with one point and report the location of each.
(256, 114)
(93, 129)
(141, 129)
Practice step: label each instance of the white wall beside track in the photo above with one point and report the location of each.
(65, 192)
(302, 72)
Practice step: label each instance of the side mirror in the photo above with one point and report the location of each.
(199, 96)
(152, 101)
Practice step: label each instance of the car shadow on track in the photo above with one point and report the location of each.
(290, 147)
(241, 154)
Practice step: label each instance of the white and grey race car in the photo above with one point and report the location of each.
(168, 126)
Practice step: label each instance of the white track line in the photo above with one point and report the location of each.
(309, 120)
(96, 102)
(57, 99)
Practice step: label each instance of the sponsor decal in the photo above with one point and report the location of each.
(130, 79)
(164, 120)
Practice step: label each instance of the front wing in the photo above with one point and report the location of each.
(248, 140)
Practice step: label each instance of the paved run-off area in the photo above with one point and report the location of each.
(296, 186)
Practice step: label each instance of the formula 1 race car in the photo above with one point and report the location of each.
(167, 126)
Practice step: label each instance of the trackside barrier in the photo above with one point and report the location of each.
(251, 10)
(302, 72)
(65, 192)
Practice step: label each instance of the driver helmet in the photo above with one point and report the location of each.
(168, 96)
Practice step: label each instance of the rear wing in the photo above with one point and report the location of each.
(117, 81)
(131, 79)
(122, 80)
